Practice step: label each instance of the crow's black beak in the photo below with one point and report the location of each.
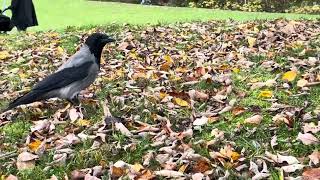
(108, 40)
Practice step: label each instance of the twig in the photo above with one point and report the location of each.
(8, 155)
(313, 84)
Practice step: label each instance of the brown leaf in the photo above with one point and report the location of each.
(307, 138)
(201, 166)
(26, 160)
(117, 171)
(315, 157)
(311, 174)
(256, 120)
(238, 110)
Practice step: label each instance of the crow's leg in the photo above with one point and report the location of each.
(75, 100)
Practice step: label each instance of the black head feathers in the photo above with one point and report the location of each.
(96, 42)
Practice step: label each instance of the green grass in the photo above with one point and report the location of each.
(59, 14)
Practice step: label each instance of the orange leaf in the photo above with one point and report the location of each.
(34, 146)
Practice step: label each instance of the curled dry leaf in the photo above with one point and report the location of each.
(238, 110)
(311, 127)
(302, 83)
(274, 141)
(256, 120)
(120, 127)
(315, 157)
(169, 173)
(200, 121)
(307, 138)
(292, 168)
(197, 95)
(281, 159)
(26, 160)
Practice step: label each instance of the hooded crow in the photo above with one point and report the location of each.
(76, 74)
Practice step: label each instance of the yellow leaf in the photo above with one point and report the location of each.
(83, 122)
(23, 76)
(60, 50)
(183, 168)
(181, 102)
(235, 156)
(137, 167)
(34, 146)
(289, 76)
(163, 95)
(168, 59)
(251, 41)
(266, 94)
(236, 70)
(4, 55)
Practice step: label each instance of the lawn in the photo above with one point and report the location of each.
(59, 14)
(199, 99)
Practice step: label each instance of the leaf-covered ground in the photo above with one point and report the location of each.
(186, 101)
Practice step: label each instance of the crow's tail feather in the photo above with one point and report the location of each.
(25, 99)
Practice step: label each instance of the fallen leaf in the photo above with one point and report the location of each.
(251, 41)
(281, 158)
(311, 127)
(292, 168)
(311, 174)
(181, 102)
(169, 173)
(315, 157)
(4, 55)
(307, 138)
(117, 171)
(83, 122)
(200, 121)
(274, 141)
(256, 120)
(266, 94)
(238, 110)
(33, 146)
(120, 127)
(201, 166)
(73, 114)
(302, 83)
(289, 76)
(26, 160)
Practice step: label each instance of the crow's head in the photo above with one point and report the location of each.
(96, 42)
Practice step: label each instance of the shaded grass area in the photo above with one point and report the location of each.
(60, 14)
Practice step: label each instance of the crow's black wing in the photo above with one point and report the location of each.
(63, 78)
(54, 81)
